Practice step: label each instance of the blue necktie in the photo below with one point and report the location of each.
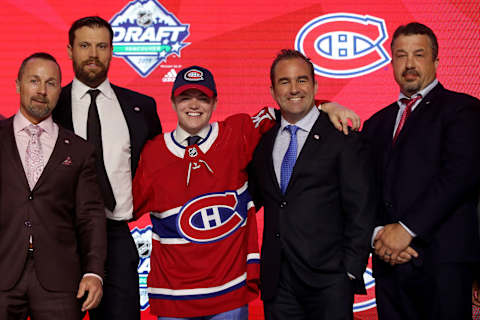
(289, 159)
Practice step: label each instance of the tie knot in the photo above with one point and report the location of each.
(292, 129)
(193, 140)
(33, 130)
(93, 93)
(411, 101)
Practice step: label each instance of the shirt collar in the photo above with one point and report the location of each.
(423, 92)
(306, 123)
(182, 135)
(20, 123)
(79, 89)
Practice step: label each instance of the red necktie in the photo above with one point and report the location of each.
(406, 113)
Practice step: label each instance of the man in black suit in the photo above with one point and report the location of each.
(118, 122)
(427, 147)
(319, 210)
(52, 224)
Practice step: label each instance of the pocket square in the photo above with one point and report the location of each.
(67, 162)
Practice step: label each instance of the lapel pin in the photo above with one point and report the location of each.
(316, 137)
(427, 102)
(67, 162)
(136, 109)
(67, 141)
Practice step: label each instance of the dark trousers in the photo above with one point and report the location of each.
(440, 292)
(121, 295)
(29, 298)
(297, 300)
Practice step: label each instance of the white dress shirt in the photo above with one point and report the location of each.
(115, 141)
(181, 135)
(282, 140)
(48, 138)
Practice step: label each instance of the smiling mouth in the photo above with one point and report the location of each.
(194, 114)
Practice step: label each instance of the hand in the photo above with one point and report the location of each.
(339, 116)
(93, 286)
(391, 242)
(475, 294)
(405, 256)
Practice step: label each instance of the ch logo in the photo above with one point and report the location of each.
(344, 45)
(211, 217)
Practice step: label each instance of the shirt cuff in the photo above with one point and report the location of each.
(350, 276)
(374, 235)
(94, 275)
(408, 230)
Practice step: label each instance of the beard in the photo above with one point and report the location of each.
(89, 77)
(39, 112)
(411, 87)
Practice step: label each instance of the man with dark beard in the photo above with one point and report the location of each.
(118, 122)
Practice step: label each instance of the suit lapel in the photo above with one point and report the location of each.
(269, 142)
(62, 114)
(9, 145)
(314, 139)
(58, 156)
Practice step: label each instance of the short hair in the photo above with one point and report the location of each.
(285, 54)
(38, 55)
(91, 22)
(414, 28)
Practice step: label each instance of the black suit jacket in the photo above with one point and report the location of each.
(429, 179)
(140, 113)
(322, 225)
(64, 213)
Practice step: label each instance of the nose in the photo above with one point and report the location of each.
(42, 89)
(294, 88)
(93, 51)
(409, 64)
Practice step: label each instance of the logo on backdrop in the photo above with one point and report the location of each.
(145, 34)
(344, 45)
(366, 302)
(143, 241)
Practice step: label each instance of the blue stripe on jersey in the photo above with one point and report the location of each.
(197, 296)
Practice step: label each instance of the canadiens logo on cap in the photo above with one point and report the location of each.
(193, 75)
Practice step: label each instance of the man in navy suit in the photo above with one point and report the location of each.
(427, 147)
(121, 121)
(316, 186)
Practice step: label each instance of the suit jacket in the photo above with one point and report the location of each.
(64, 213)
(140, 113)
(429, 179)
(323, 223)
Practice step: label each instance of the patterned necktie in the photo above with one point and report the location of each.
(94, 136)
(193, 140)
(406, 113)
(34, 155)
(289, 158)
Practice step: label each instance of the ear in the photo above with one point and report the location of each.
(17, 85)
(315, 87)
(69, 49)
(272, 92)
(215, 104)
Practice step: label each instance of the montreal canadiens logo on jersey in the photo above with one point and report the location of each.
(145, 34)
(212, 217)
(344, 45)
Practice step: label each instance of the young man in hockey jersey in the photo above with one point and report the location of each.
(193, 181)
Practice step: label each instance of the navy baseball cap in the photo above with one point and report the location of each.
(194, 77)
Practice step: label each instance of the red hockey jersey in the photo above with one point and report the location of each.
(205, 257)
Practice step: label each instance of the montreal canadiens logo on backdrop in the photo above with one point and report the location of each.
(145, 34)
(211, 217)
(344, 45)
(366, 302)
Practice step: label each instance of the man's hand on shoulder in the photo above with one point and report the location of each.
(92, 286)
(340, 116)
